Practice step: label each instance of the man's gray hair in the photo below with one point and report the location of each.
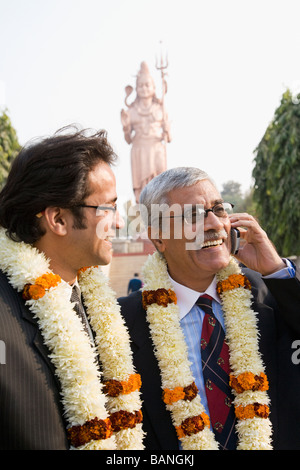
(157, 190)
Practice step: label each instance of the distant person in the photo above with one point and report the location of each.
(134, 284)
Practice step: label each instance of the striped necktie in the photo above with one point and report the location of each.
(215, 367)
(78, 307)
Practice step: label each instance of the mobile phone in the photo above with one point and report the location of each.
(235, 240)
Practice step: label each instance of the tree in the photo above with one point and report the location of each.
(277, 177)
(9, 146)
(232, 192)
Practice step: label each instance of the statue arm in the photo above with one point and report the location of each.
(125, 120)
(166, 129)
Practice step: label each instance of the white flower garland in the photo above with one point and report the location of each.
(114, 349)
(242, 335)
(171, 352)
(74, 358)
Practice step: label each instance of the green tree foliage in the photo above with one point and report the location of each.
(277, 177)
(232, 192)
(9, 146)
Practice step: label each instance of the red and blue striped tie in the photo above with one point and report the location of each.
(215, 367)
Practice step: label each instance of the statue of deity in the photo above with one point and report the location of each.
(146, 127)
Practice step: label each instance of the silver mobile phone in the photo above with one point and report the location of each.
(235, 240)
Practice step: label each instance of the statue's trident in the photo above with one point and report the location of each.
(162, 67)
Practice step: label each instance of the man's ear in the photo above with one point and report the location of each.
(56, 220)
(156, 238)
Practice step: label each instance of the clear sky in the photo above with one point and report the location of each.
(68, 61)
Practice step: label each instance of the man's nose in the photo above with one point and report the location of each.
(212, 221)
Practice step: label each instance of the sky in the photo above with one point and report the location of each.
(229, 62)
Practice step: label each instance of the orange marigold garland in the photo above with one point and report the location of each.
(125, 420)
(251, 411)
(249, 381)
(192, 425)
(180, 393)
(161, 297)
(41, 285)
(232, 282)
(114, 388)
(95, 429)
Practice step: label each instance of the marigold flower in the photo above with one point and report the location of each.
(190, 391)
(114, 388)
(48, 280)
(250, 411)
(94, 429)
(124, 419)
(232, 282)
(38, 289)
(192, 425)
(249, 381)
(159, 296)
(33, 292)
(171, 396)
(180, 393)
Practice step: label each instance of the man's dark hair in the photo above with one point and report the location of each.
(52, 172)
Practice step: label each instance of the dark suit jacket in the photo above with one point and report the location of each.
(31, 417)
(277, 303)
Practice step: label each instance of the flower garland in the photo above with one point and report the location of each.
(248, 381)
(120, 382)
(95, 421)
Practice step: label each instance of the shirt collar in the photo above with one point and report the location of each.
(186, 297)
(70, 286)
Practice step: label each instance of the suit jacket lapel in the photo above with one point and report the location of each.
(37, 341)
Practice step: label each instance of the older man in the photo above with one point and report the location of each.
(213, 376)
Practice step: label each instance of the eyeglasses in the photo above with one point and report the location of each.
(193, 214)
(105, 210)
(99, 209)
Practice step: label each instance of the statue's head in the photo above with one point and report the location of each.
(145, 86)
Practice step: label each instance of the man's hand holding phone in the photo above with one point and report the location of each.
(257, 252)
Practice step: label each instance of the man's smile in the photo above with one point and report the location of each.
(212, 243)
